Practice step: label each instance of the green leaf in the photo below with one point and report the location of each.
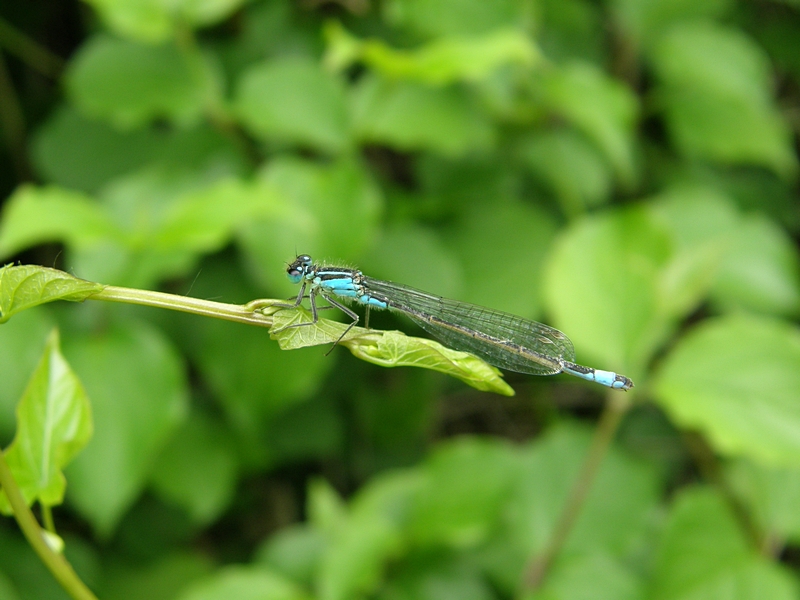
(82, 154)
(161, 580)
(138, 391)
(457, 17)
(729, 130)
(701, 541)
(197, 469)
(410, 116)
(248, 373)
(442, 61)
(430, 576)
(293, 552)
(307, 431)
(645, 21)
(570, 166)
(7, 589)
(292, 100)
(166, 218)
(484, 239)
(325, 508)
(708, 57)
(761, 270)
(397, 251)
(604, 109)
(603, 287)
(27, 286)
(252, 379)
(703, 224)
(715, 91)
(448, 184)
(158, 20)
(772, 494)
(356, 557)
(608, 522)
(204, 220)
(54, 423)
(736, 379)
(611, 525)
(453, 507)
(130, 85)
(392, 495)
(22, 342)
(244, 583)
(34, 215)
(704, 555)
(619, 283)
(588, 577)
(318, 202)
(389, 349)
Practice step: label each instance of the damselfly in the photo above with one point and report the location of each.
(499, 338)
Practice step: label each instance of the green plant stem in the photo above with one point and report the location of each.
(47, 519)
(29, 51)
(249, 313)
(215, 107)
(54, 561)
(616, 407)
(12, 123)
(710, 468)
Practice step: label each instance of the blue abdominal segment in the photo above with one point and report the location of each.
(606, 378)
(370, 301)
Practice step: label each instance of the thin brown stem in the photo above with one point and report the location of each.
(616, 407)
(710, 468)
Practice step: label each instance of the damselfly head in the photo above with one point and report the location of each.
(298, 269)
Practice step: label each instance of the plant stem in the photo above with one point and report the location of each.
(12, 123)
(616, 407)
(47, 519)
(241, 313)
(710, 468)
(29, 51)
(54, 561)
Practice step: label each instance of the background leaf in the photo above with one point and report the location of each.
(772, 495)
(733, 119)
(22, 342)
(441, 62)
(139, 397)
(625, 323)
(742, 393)
(244, 583)
(37, 215)
(412, 116)
(703, 554)
(604, 109)
(294, 101)
(54, 423)
(197, 469)
(27, 286)
(129, 84)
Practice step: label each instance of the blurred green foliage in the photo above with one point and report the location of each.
(626, 171)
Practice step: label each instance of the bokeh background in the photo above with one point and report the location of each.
(623, 170)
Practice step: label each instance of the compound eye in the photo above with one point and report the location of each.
(305, 259)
